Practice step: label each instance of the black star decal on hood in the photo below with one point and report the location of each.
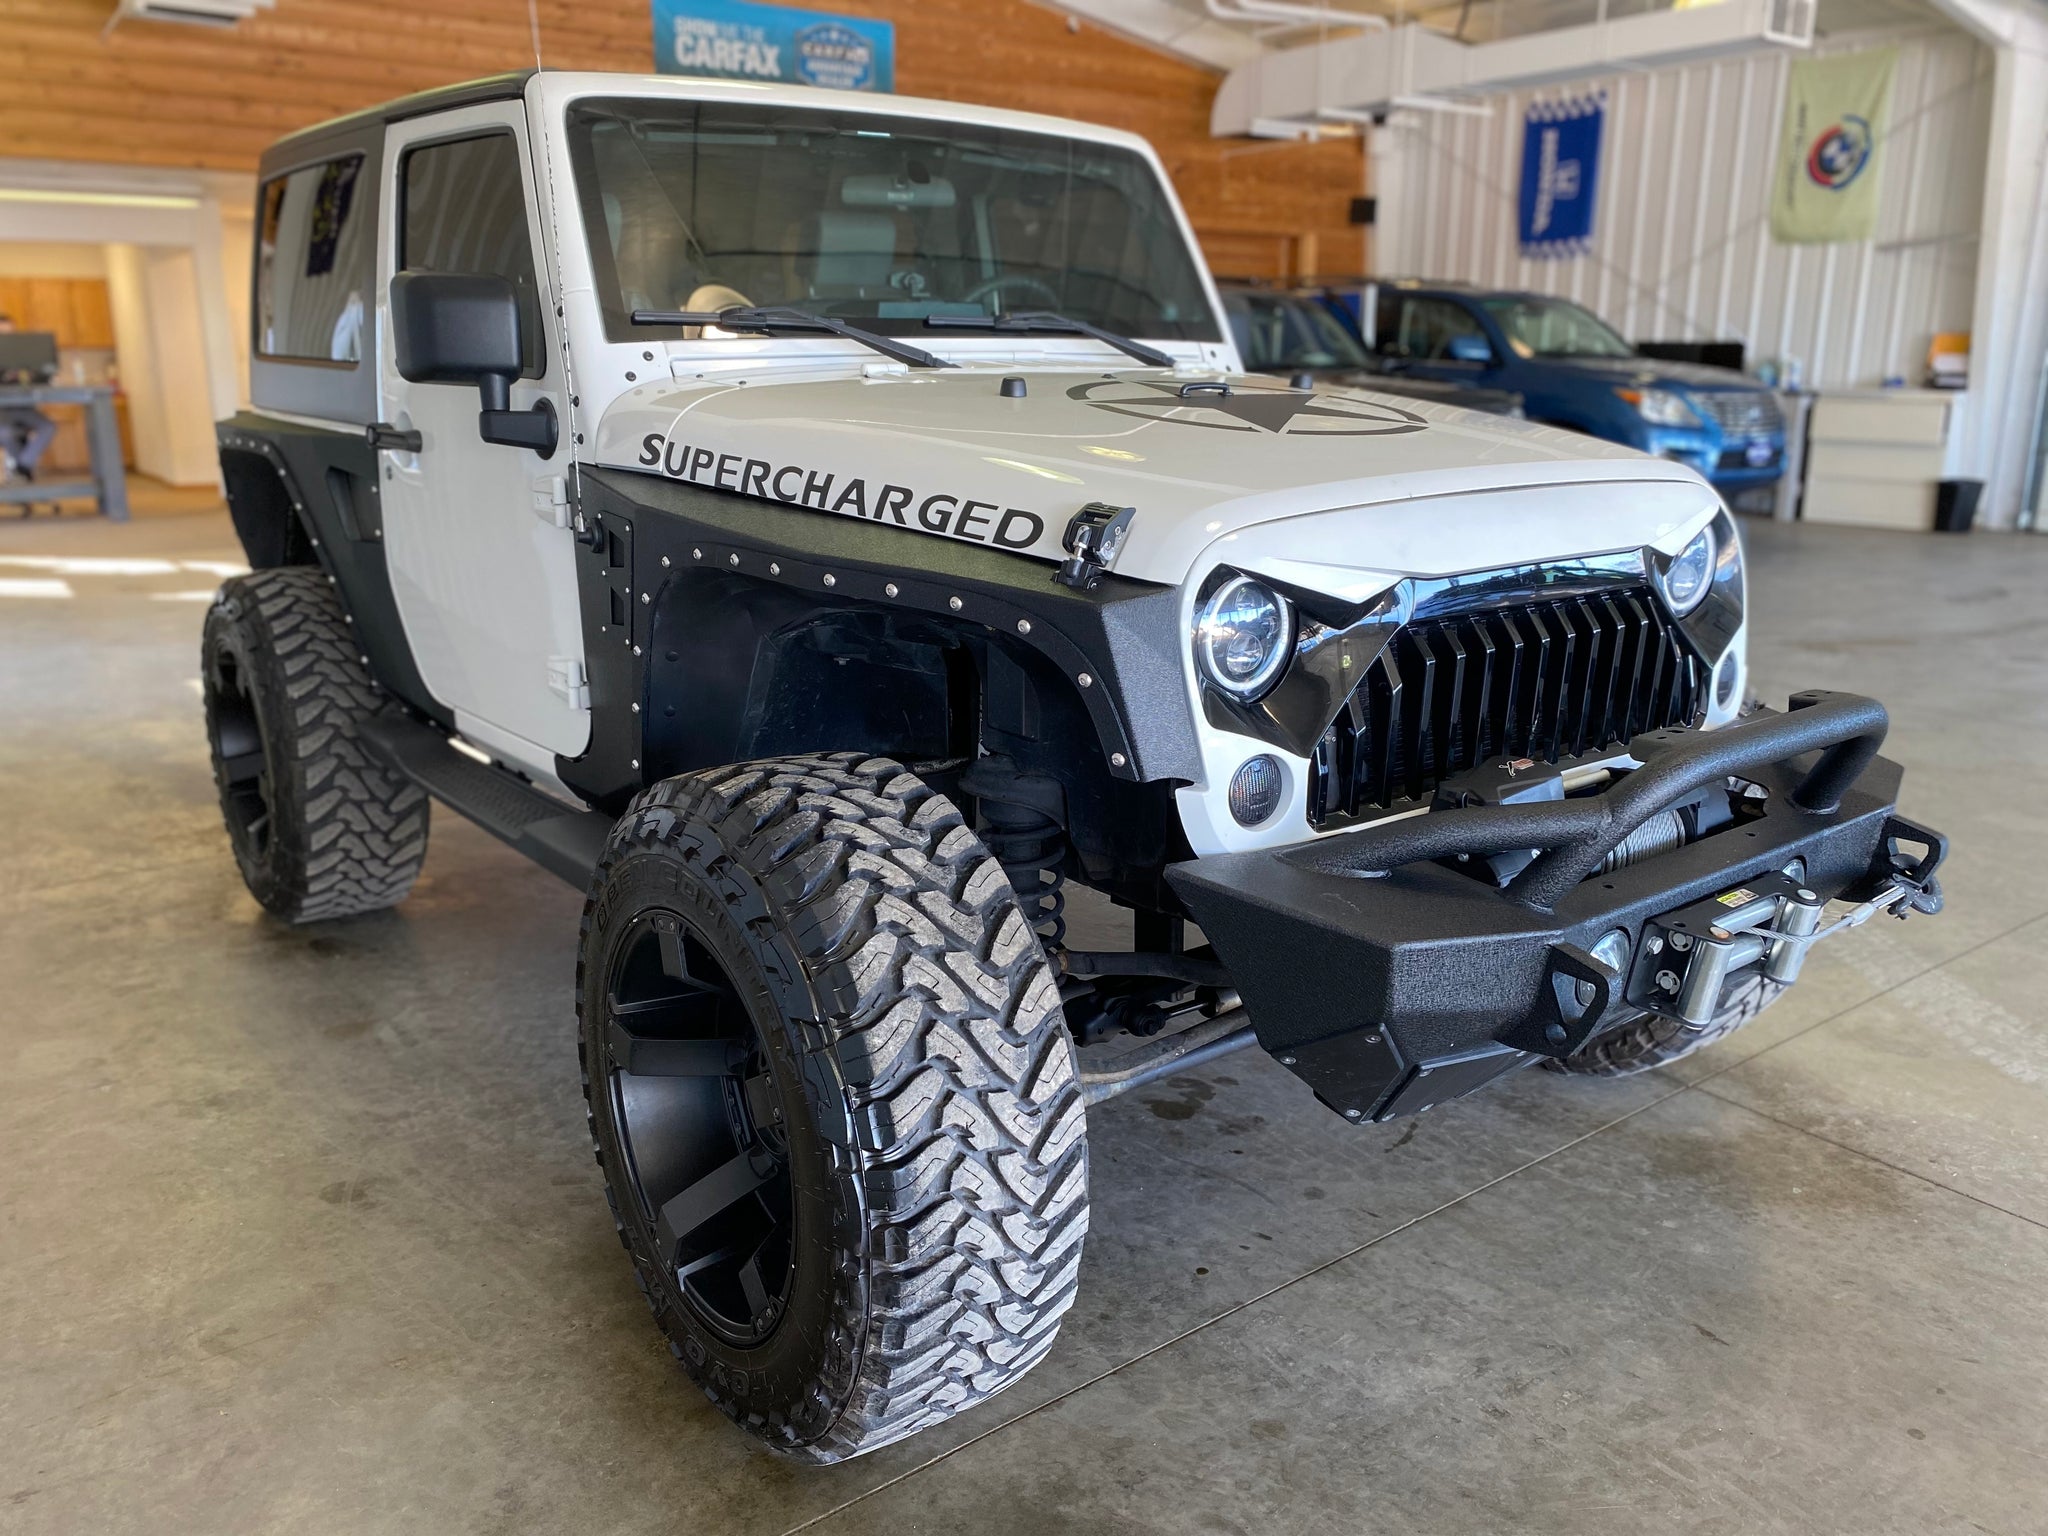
(1255, 409)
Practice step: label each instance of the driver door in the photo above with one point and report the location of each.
(482, 561)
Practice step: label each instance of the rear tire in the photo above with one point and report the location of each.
(833, 1096)
(1653, 1041)
(320, 828)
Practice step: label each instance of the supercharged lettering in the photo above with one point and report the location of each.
(796, 485)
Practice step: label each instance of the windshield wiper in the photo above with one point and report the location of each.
(741, 317)
(1044, 320)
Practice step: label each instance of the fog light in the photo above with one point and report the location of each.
(1724, 681)
(1255, 790)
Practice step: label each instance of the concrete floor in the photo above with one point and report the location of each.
(299, 1230)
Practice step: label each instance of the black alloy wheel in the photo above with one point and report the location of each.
(244, 762)
(833, 1098)
(701, 1126)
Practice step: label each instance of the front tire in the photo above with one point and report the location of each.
(1651, 1041)
(320, 828)
(832, 1093)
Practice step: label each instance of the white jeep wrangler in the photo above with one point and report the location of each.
(820, 526)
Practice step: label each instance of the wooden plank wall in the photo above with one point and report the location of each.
(168, 95)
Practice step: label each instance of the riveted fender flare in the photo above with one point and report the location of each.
(1118, 645)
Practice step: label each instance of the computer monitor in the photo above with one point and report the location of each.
(28, 354)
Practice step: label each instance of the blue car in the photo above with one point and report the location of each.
(1572, 370)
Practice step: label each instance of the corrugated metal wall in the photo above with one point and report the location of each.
(1682, 248)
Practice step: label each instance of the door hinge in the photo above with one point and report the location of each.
(567, 679)
(551, 500)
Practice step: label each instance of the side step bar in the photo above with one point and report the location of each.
(562, 841)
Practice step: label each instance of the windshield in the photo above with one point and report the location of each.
(1554, 328)
(1278, 331)
(878, 220)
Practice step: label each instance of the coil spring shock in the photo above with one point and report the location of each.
(1030, 845)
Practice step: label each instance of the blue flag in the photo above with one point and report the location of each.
(1560, 174)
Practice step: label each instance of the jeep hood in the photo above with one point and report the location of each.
(947, 453)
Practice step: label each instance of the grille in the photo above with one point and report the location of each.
(1752, 413)
(1545, 680)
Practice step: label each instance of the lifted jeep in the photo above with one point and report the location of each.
(820, 528)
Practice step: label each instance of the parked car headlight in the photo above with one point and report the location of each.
(1660, 407)
(1242, 636)
(1686, 578)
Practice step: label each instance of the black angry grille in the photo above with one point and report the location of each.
(1546, 680)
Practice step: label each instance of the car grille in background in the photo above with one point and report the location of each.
(1545, 680)
(1743, 413)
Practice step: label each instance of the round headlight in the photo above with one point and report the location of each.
(1686, 579)
(1242, 636)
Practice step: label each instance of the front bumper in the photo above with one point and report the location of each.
(1390, 979)
(1732, 462)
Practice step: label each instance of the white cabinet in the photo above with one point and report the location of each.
(1875, 457)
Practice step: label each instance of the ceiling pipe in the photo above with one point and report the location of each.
(1413, 66)
(1272, 11)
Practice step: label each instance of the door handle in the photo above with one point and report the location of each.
(382, 436)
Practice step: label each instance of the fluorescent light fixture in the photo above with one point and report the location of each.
(96, 199)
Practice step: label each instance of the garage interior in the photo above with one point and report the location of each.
(299, 1229)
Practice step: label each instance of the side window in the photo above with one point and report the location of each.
(313, 269)
(1427, 326)
(462, 208)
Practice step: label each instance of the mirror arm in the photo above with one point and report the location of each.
(496, 391)
(535, 428)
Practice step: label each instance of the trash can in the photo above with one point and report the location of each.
(1955, 505)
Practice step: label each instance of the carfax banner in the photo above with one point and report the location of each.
(1560, 175)
(739, 40)
(1835, 114)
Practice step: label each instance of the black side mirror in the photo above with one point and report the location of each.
(456, 328)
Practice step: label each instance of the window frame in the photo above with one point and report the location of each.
(322, 390)
(362, 203)
(528, 207)
(1209, 329)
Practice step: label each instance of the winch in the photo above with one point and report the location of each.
(1685, 958)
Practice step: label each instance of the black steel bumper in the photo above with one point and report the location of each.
(1390, 979)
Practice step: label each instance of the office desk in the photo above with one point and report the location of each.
(109, 483)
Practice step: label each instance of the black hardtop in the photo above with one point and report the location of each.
(317, 141)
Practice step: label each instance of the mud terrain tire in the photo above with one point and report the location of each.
(1654, 1041)
(833, 1096)
(320, 828)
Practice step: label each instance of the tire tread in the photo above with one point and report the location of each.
(944, 1035)
(1653, 1041)
(357, 833)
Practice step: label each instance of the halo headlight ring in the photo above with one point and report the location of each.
(1243, 637)
(1688, 576)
